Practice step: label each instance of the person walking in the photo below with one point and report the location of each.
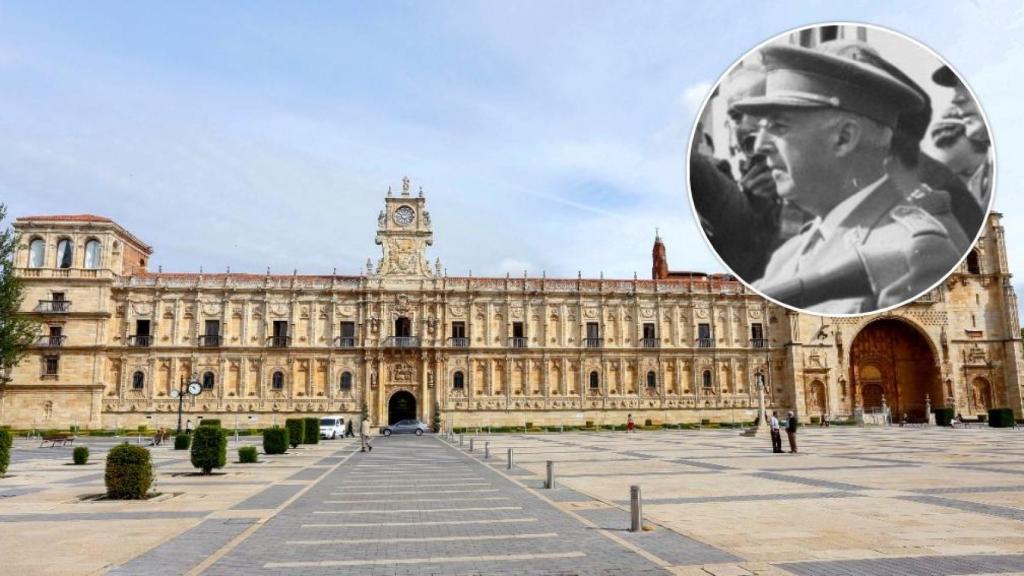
(188, 426)
(364, 435)
(348, 430)
(776, 435)
(630, 425)
(791, 424)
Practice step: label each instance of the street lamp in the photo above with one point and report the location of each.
(193, 389)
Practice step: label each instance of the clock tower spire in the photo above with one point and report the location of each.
(403, 232)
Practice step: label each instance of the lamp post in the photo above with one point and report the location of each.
(193, 388)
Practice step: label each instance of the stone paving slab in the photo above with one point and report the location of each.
(272, 497)
(186, 551)
(914, 566)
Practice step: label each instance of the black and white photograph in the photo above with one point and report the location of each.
(841, 169)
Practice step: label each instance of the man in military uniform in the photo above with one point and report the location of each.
(962, 139)
(826, 130)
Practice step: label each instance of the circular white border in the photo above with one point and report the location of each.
(985, 215)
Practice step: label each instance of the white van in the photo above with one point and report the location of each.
(332, 427)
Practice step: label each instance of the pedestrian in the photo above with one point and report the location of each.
(630, 425)
(348, 430)
(188, 426)
(776, 436)
(791, 425)
(903, 420)
(364, 435)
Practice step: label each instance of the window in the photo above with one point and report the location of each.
(348, 335)
(280, 337)
(64, 253)
(829, 33)
(141, 336)
(518, 335)
(36, 253)
(93, 251)
(277, 381)
(51, 365)
(652, 379)
(704, 335)
(706, 379)
(649, 339)
(138, 380)
(757, 335)
(208, 381)
(593, 335)
(211, 333)
(346, 381)
(459, 334)
(58, 296)
(56, 336)
(595, 380)
(973, 266)
(403, 327)
(458, 381)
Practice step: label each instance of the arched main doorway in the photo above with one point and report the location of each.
(401, 406)
(891, 359)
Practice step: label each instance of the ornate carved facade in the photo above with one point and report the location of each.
(405, 338)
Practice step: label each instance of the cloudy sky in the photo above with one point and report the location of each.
(547, 136)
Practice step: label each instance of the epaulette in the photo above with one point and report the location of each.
(932, 201)
(917, 221)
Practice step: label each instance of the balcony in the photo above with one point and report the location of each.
(140, 340)
(648, 342)
(279, 341)
(705, 342)
(458, 342)
(402, 342)
(50, 341)
(592, 342)
(517, 342)
(345, 342)
(758, 342)
(53, 306)
(209, 341)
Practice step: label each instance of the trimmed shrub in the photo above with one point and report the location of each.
(248, 455)
(209, 448)
(943, 416)
(80, 455)
(590, 424)
(296, 431)
(705, 422)
(815, 419)
(275, 440)
(6, 439)
(311, 432)
(209, 422)
(1000, 417)
(142, 429)
(182, 442)
(129, 472)
(648, 422)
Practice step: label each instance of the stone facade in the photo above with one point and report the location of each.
(406, 339)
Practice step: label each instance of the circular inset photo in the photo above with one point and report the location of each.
(841, 169)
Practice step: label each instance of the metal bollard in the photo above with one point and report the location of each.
(509, 458)
(471, 444)
(487, 450)
(636, 516)
(460, 440)
(550, 483)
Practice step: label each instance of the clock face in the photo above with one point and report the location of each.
(194, 388)
(404, 216)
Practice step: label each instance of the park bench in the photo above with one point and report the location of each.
(54, 439)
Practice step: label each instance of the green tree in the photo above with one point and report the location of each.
(17, 332)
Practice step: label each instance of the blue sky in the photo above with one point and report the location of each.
(546, 135)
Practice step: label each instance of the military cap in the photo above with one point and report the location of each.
(802, 78)
(913, 123)
(746, 81)
(945, 76)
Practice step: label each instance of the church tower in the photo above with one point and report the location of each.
(403, 232)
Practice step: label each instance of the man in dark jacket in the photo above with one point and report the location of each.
(791, 425)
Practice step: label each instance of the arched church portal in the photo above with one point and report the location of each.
(401, 406)
(892, 362)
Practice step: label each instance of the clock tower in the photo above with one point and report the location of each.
(403, 232)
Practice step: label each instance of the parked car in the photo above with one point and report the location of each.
(332, 427)
(405, 427)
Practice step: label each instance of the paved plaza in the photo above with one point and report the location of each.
(854, 501)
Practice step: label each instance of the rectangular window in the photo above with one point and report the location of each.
(280, 328)
(593, 335)
(141, 336)
(517, 330)
(649, 339)
(757, 335)
(58, 296)
(51, 366)
(458, 329)
(212, 328)
(347, 339)
(704, 335)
